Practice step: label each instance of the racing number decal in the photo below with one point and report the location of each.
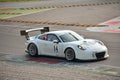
(55, 48)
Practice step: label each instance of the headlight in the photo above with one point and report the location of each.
(81, 47)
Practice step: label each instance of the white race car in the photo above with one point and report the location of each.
(64, 43)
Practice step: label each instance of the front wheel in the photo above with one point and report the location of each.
(32, 50)
(70, 54)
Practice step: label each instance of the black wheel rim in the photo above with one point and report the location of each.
(32, 50)
(70, 54)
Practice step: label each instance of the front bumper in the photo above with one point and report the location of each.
(92, 54)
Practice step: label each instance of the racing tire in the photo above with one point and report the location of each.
(32, 50)
(70, 54)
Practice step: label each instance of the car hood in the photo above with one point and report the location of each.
(87, 43)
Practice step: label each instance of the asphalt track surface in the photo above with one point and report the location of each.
(13, 44)
(49, 2)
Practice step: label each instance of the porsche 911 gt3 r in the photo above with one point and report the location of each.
(64, 43)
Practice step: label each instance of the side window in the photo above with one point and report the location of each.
(52, 37)
(48, 37)
(43, 37)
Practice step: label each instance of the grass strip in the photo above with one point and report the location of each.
(23, 12)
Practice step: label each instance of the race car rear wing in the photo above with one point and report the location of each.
(25, 32)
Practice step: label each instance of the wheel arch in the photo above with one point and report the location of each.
(36, 53)
(30, 44)
(70, 48)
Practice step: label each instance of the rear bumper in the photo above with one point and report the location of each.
(26, 51)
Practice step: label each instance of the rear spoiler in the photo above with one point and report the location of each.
(25, 32)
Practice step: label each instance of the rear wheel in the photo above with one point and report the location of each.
(70, 54)
(32, 50)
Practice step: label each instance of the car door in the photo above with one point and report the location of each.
(48, 46)
(55, 47)
(58, 49)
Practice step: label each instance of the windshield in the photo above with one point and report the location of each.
(69, 37)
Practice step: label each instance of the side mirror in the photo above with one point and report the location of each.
(55, 41)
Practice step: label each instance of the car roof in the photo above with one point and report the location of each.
(60, 32)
